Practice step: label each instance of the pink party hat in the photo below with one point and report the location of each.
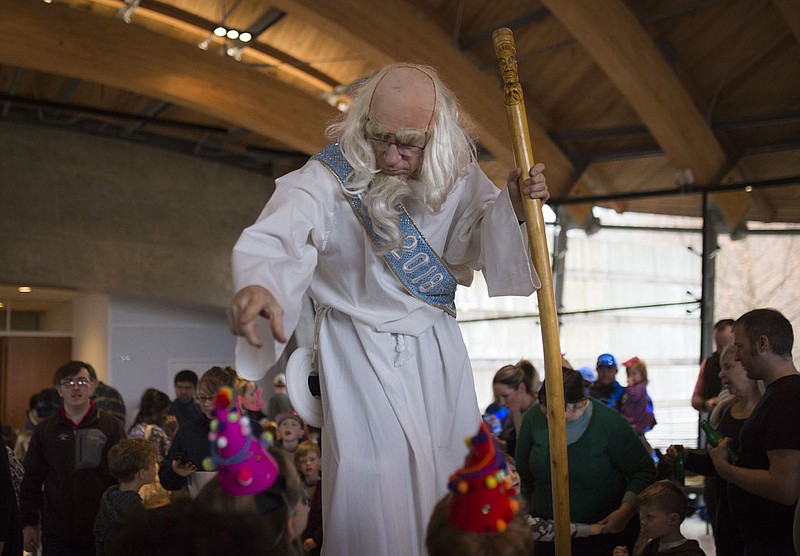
(244, 466)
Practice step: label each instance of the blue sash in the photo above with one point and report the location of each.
(417, 266)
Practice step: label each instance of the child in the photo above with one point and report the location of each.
(254, 479)
(291, 431)
(250, 401)
(637, 407)
(544, 529)
(132, 461)
(662, 509)
(479, 515)
(307, 459)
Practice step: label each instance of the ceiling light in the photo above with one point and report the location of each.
(232, 34)
(220, 31)
(24, 289)
(749, 188)
(204, 44)
(245, 37)
(684, 177)
(1, 303)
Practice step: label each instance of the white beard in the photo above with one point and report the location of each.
(380, 201)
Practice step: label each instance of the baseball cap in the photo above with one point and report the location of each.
(587, 373)
(606, 360)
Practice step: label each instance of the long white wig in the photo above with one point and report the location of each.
(448, 152)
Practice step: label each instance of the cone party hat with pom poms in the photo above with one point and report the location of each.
(483, 498)
(242, 463)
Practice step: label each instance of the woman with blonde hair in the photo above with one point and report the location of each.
(514, 388)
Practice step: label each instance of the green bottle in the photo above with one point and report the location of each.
(678, 471)
(714, 438)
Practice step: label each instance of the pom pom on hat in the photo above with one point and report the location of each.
(482, 498)
(244, 466)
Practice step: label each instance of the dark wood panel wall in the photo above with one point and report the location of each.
(27, 365)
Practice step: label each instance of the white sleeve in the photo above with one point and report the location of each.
(486, 236)
(279, 252)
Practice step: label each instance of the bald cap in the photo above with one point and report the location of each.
(404, 98)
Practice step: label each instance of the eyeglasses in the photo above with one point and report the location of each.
(204, 399)
(382, 142)
(70, 382)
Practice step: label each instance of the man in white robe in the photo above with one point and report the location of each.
(397, 389)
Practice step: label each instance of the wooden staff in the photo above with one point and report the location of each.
(506, 51)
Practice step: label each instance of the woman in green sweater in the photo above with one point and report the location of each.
(608, 467)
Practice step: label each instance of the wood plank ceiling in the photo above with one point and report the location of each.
(622, 96)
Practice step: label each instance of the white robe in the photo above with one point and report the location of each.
(397, 388)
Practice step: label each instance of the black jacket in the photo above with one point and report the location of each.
(72, 467)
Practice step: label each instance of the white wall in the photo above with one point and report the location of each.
(148, 338)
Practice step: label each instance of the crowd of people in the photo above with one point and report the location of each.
(84, 483)
(752, 503)
(379, 228)
(77, 477)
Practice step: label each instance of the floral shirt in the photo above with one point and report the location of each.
(157, 436)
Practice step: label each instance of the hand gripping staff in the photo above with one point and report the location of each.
(506, 51)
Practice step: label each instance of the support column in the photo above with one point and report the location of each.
(710, 248)
(708, 279)
(559, 255)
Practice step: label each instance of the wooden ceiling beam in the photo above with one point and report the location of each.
(160, 13)
(790, 11)
(610, 32)
(401, 32)
(76, 43)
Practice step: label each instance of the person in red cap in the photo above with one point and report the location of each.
(380, 227)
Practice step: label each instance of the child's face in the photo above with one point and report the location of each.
(252, 398)
(309, 465)
(513, 474)
(656, 522)
(205, 400)
(634, 376)
(290, 430)
(149, 473)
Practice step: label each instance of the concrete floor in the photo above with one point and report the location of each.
(695, 528)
